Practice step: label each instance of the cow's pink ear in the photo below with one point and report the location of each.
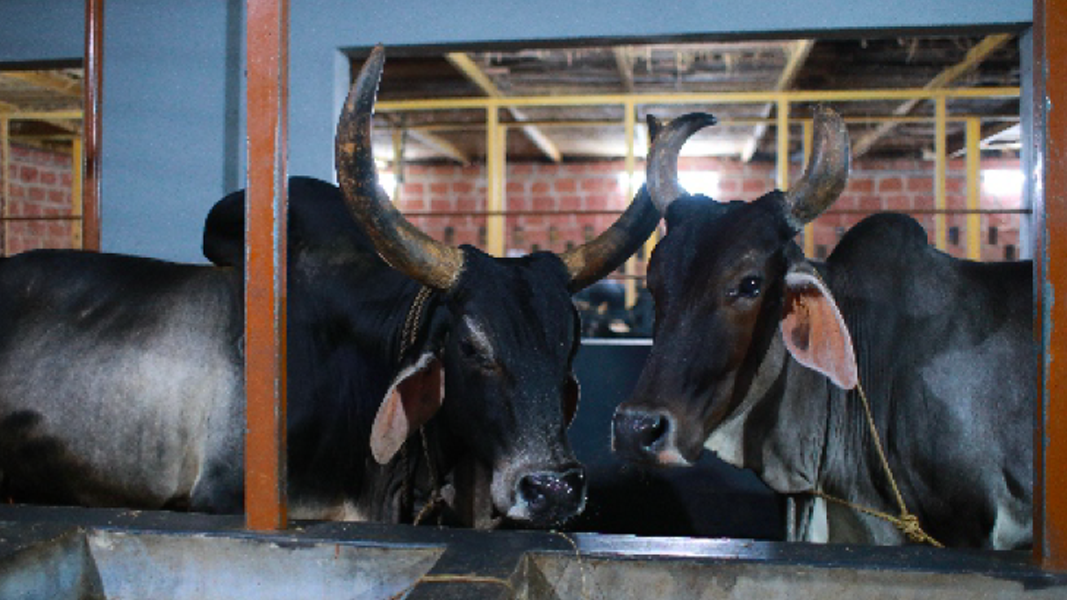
(814, 331)
(414, 397)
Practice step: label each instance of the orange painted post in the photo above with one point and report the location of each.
(267, 35)
(92, 100)
(1049, 180)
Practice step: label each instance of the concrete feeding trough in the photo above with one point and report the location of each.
(102, 562)
(99, 554)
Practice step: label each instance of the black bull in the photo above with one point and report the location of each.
(121, 378)
(758, 352)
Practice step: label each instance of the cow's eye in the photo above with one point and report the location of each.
(749, 287)
(476, 356)
(468, 349)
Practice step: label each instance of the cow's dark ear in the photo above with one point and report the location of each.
(224, 231)
(413, 398)
(814, 330)
(571, 393)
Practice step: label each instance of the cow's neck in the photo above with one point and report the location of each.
(327, 459)
(779, 428)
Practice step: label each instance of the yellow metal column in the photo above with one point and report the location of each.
(77, 227)
(974, 161)
(650, 243)
(782, 181)
(5, 164)
(398, 164)
(494, 166)
(940, 164)
(629, 120)
(809, 229)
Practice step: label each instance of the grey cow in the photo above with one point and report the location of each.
(758, 352)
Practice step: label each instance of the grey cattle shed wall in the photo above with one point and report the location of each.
(173, 116)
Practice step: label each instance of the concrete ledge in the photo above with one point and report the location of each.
(117, 554)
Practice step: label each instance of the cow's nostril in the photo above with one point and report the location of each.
(532, 490)
(652, 430)
(640, 432)
(553, 496)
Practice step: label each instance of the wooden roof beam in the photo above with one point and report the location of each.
(48, 80)
(798, 53)
(470, 69)
(958, 147)
(14, 111)
(439, 143)
(624, 61)
(974, 57)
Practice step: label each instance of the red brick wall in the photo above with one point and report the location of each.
(873, 186)
(40, 186)
(530, 187)
(906, 185)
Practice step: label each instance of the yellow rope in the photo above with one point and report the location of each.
(577, 557)
(436, 498)
(907, 522)
(448, 578)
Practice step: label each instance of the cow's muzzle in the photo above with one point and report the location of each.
(546, 498)
(646, 437)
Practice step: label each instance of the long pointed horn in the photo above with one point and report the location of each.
(827, 172)
(401, 244)
(593, 260)
(663, 158)
(596, 258)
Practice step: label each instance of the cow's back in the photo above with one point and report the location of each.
(946, 358)
(119, 381)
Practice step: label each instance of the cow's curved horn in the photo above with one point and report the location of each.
(401, 244)
(827, 171)
(596, 258)
(663, 158)
(654, 127)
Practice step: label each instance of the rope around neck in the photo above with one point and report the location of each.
(407, 340)
(907, 522)
(411, 321)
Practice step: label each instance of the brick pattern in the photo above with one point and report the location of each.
(902, 185)
(530, 187)
(908, 185)
(40, 186)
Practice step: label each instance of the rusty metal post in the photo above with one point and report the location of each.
(267, 35)
(93, 93)
(1048, 180)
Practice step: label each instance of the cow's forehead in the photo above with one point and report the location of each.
(528, 295)
(709, 236)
